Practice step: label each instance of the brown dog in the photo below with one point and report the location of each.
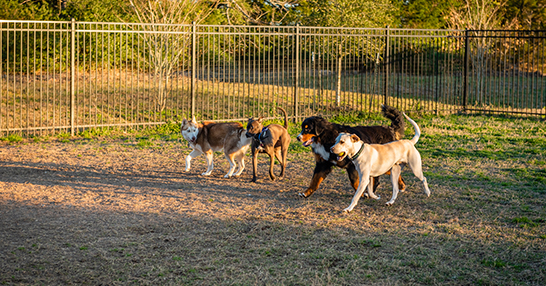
(272, 139)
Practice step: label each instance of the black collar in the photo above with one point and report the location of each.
(358, 153)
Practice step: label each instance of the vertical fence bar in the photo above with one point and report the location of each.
(297, 76)
(193, 68)
(72, 75)
(387, 63)
(466, 68)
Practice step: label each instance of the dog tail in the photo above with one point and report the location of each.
(398, 124)
(285, 117)
(417, 130)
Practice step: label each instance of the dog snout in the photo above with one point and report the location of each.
(299, 137)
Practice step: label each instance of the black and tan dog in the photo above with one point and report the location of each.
(272, 139)
(321, 136)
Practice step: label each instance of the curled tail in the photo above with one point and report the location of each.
(398, 124)
(417, 130)
(285, 117)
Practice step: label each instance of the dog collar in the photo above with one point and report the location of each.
(260, 135)
(358, 153)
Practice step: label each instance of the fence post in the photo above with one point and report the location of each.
(297, 76)
(387, 63)
(466, 67)
(193, 68)
(72, 76)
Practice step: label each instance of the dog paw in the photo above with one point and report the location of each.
(205, 174)
(227, 176)
(389, 203)
(347, 210)
(302, 195)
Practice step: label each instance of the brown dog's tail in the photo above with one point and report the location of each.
(285, 117)
(398, 124)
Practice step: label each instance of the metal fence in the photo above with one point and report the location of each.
(68, 76)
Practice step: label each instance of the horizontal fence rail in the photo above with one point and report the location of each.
(69, 76)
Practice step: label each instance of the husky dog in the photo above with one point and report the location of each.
(208, 137)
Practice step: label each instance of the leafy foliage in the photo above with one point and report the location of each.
(519, 14)
(344, 13)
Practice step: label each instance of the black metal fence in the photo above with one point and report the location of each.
(66, 76)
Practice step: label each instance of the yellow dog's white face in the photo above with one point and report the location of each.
(344, 145)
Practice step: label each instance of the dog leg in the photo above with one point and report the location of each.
(282, 161)
(284, 153)
(395, 174)
(363, 184)
(353, 176)
(190, 156)
(254, 163)
(240, 158)
(210, 164)
(416, 166)
(371, 189)
(271, 154)
(232, 165)
(401, 183)
(322, 169)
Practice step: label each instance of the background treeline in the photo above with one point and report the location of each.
(473, 14)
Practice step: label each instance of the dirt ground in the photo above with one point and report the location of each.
(69, 211)
(111, 212)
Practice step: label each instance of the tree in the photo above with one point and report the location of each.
(346, 13)
(27, 10)
(166, 43)
(478, 15)
(525, 14)
(255, 12)
(424, 14)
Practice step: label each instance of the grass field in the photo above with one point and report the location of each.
(117, 209)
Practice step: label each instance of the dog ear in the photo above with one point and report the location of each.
(261, 119)
(355, 138)
(193, 119)
(318, 129)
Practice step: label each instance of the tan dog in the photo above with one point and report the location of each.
(272, 139)
(210, 137)
(372, 160)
